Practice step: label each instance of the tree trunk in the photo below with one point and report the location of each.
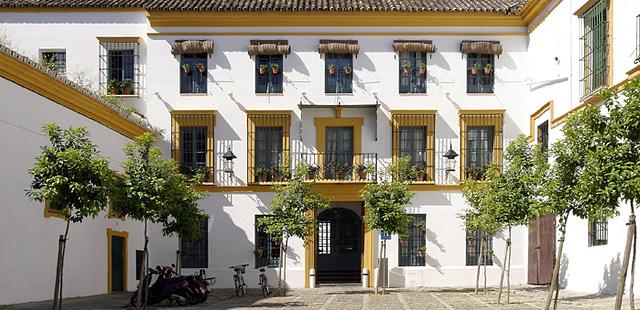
(377, 282)
(384, 272)
(633, 261)
(484, 266)
(504, 265)
(509, 270)
(479, 260)
(625, 261)
(143, 271)
(556, 267)
(280, 267)
(64, 249)
(284, 268)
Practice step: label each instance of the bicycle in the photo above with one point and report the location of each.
(238, 279)
(263, 282)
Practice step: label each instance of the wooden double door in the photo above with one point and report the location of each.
(542, 250)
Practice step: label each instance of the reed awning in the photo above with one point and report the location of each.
(192, 47)
(481, 47)
(269, 47)
(420, 46)
(339, 47)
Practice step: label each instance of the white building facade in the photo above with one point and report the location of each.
(333, 89)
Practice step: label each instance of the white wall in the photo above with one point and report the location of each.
(30, 241)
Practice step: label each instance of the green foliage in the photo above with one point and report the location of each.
(292, 206)
(153, 190)
(71, 172)
(478, 218)
(49, 62)
(386, 202)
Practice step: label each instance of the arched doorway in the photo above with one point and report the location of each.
(338, 246)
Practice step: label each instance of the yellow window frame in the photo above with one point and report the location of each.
(417, 118)
(48, 212)
(204, 118)
(470, 118)
(261, 118)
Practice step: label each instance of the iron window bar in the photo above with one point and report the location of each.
(407, 130)
(267, 249)
(598, 233)
(278, 161)
(192, 144)
(473, 243)
(55, 60)
(194, 253)
(594, 54)
(412, 249)
(482, 143)
(119, 68)
(412, 79)
(482, 81)
(342, 166)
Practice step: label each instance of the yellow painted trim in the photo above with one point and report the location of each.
(585, 7)
(369, 251)
(125, 235)
(397, 122)
(183, 118)
(309, 251)
(334, 19)
(537, 114)
(400, 112)
(533, 9)
(263, 112)
(120, 40)
(322, 123)
(334, 34)
(538, 21)
(48, 212)
(496, 122)
(480, 112)
(45, 85)
(635, 71)
(282, 118)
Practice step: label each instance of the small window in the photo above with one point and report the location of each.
(269, 74)
(139, 262)
(54, 60)
(598, 232)
(473, 248)
(193, 73)
(193, 140)
(543, 136)
(267, 250)
(338, 73)
(119, 68)
(480, 73)
(413, 72)
(479, 150)
(412, 248)
(195, 253)
(594, 54)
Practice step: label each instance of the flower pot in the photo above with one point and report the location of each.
(113, 90)
(421, 253)
(362, 174)
(474, 70)
(186, 69)
(277, 177)
(262, 177)
(275, 70)
(406, 71)
(340, 175)
(348, 71)
(422, 70)
(332, 70)
(202, 69)
(487, 70)
(420, 176)
(311, 175)
(262, 70)
(128, 90)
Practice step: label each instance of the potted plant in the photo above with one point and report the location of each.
(262, 173)
(418, 172)
(406, 69)
(475, 68)
(312, 171)
(423, 68)
(348, 70)
(487, 69)
(403, 240)
(186, 68)
(127, 87)
(421, 251)
(332, 69)
(275, 68)
(114, 87)
(363, 170)
(341, 171)
(259, 253)
(262, 70)
(476, 173)
(201, 68)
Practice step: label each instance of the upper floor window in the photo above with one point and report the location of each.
(192, 144)
(119, 66)
(412, 248)
(480, 73)
(543, 136)
(413, 136)
(474, 252)
(194, 253)
(594, 54)
(598, 232)
(54, 60)
(413, 72)
(268, 137)
(269, 74)
(267, 249)
(481, 142)
(193, 73)
(338, 73)
(55, 209)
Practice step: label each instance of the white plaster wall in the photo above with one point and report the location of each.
(30, 242)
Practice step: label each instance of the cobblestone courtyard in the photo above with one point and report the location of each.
(357, 298)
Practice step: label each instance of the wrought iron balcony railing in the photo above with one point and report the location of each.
(341, 167)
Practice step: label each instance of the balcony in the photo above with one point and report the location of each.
(341, 167)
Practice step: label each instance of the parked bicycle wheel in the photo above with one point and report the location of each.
(265, 285)
(237, 284)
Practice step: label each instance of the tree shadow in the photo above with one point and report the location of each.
(563, 281)
(610, 276)
(433, 238)
(433, 262)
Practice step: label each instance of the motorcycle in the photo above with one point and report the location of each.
(171, 289)
(198, 284)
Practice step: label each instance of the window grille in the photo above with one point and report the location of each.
(268, 78)
(192, 143)
(340, 79)
(324, 237)
(482, 80)
(413, 135)
(481, 138)
(473, 248)
(598, 233)
(413, 72)
(195, 253)
(543, 136)
(54, 60)
(268, 147)
(267, 250)
(412, 248)
(193, 73)
(594, 67)
(119, 68)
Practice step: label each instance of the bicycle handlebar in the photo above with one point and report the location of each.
(236, 266)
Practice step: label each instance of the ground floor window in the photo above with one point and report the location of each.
(473, 248)
(267, 250)
(195, 253)
(412, 248)
(598, 232)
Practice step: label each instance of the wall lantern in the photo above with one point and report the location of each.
(450, 162)
(228, 161)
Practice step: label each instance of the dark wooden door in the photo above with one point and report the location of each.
(339, 241)
(542, 249)
(117, 264)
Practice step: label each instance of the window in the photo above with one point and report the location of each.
(267, 249)
(481, 141)
(139, 262)
(119, 67)
(338, 73)
(413, 72)
(195, 253)
(412, 248)
(480, 73)
(268, 147)
(594, 53)
(192, 145)
(413, 135)
(474, 239)
(543, 136)
(598, 231)
(54, 60)
(193, 73)
(54, 209)
(637, 60)
(269, 74)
